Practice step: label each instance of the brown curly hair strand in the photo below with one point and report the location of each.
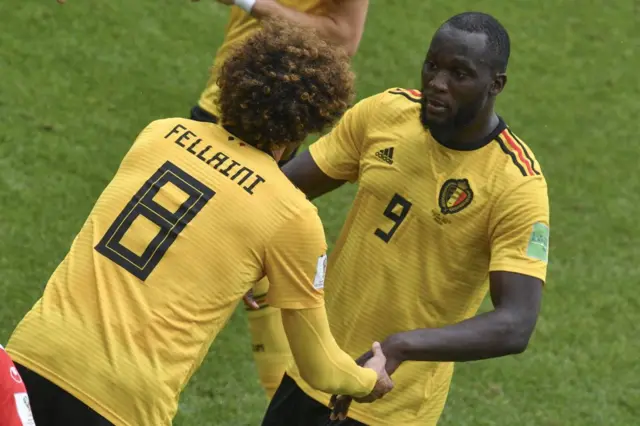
(283, 83)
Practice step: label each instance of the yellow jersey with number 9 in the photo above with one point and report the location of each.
(428, 224)
(241, 25)
(188, 224)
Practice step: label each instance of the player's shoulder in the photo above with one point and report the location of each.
(394, 105)
(165, 122)
(156, 127)
(394, 100)
(293, 199)
(517, 157)
(403, 96)
(172, 122)
(179, 127)
(399, 99)
(290, 207)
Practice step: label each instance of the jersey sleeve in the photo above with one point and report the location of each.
(338, 153)
(520, 229)
(322, 364)
(295, 263)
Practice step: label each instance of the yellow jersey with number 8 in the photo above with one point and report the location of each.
(188, 224)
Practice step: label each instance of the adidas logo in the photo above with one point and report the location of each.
(386, 155)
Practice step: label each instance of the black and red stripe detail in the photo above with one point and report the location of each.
(412, 94)
(526, 152)
(515, 149)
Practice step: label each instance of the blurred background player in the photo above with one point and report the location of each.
(342, 23)
(193, 218)
(450, 203)
(15, 409)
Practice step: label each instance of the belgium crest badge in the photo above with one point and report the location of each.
(455, 195)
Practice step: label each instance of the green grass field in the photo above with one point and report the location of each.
(78, 82)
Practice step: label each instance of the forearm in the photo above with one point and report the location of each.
(320, 361)
(305, 174)
(327, 27)
(489, 335)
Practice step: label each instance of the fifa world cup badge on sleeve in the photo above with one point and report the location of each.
(538, 247)
(321, 270)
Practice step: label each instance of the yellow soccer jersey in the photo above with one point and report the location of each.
(191, 220)
(427, 225)
(241, 25)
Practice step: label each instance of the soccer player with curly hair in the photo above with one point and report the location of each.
(340, 22)
(192, 219)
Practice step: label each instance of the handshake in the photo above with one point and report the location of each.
(379, 362)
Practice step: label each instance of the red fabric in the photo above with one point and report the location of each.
(14, 402)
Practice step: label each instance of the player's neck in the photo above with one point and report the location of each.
(472, 136)
(476, 130)
(237, 133)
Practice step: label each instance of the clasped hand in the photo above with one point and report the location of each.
(382, 361)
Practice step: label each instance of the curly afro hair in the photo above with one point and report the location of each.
(283, 83)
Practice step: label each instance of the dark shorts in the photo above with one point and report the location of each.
(53, 406)
(199, 114)
(290, 406)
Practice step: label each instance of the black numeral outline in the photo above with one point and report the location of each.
(171, 224)
(397, 200)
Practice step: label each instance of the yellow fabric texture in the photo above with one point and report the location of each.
(271, 351)
(319, 359)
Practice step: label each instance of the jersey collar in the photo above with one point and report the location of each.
(477, 144)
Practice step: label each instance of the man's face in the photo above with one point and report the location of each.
(457, 79)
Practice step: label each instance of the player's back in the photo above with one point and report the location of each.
(171, 245)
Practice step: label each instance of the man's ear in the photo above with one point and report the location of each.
(498, 84)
